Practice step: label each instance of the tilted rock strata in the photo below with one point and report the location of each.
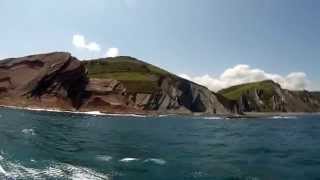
(58, 80)
(275, 99)
(48, 80)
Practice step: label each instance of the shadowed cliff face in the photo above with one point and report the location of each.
(176, 94)
(268, 96)
(58, 80)
(45, 80)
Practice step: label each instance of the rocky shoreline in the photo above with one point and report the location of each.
(60, 81)
(124, 85)
(249, 115)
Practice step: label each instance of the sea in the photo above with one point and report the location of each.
(61, 145)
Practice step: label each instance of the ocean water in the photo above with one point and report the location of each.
(50, 145)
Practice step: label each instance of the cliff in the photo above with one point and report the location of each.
(113, 85)
(268, 96)
(45, 80)
(147, 88)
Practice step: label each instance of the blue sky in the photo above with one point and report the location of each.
(196, 38)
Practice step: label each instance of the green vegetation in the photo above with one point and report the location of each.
(136, 75)
(235, 92)
(265, 90)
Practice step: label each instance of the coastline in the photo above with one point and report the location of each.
(275, 114)
(246, 115)
(93, 113)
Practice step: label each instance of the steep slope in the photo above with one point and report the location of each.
(268, 96)
(114, 85)
(44, 80)
(150, 88)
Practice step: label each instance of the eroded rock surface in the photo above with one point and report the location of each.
(60, 81)
(268, 96)
(127, 85)
(54, 80)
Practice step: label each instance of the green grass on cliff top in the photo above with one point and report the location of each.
(235, 92)
(136, 75)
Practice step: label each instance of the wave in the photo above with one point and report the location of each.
(167, 115)
(156, 161)
(284, 117)
(2, 171)
(54, 171)
(164, 115)
(93, 113)
(104, 158)
(127, 115)
(129, 159)
(28, 132)
(213, 118)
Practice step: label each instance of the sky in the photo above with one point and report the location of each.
(216, 43)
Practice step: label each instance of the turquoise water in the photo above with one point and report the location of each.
(44, 145)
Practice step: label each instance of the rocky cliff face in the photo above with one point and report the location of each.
(127, 85)
(146, 88)
(182, 96)
(46, 80)
(268, 96)
(58, 80)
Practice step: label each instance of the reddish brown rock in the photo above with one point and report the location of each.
(60, 81)
(55, 80)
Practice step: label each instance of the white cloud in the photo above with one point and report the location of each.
(112, 52)
(80, 41)
(244, 74)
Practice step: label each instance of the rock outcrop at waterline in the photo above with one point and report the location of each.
(268, 96)
(59, 80)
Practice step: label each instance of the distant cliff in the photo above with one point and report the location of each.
(268, 96)
(113, 85)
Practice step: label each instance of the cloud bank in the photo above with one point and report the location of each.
(79, 41)
(112, 52)
(244, 74)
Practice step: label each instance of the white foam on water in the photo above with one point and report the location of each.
(80, 173)
(164, 115)
(29, 132)
(156, 161)
(1, 158)
(128, 159)
(93, 113)
(284, 117)
(104, 158)
(2, 171)
(128, 115)
(213, 118)
(55, 171)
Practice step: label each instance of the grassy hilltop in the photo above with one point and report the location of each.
(268, 96)
(136, 75)
(262, 91)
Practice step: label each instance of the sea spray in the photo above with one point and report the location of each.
(156, 161)
(128, 159)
